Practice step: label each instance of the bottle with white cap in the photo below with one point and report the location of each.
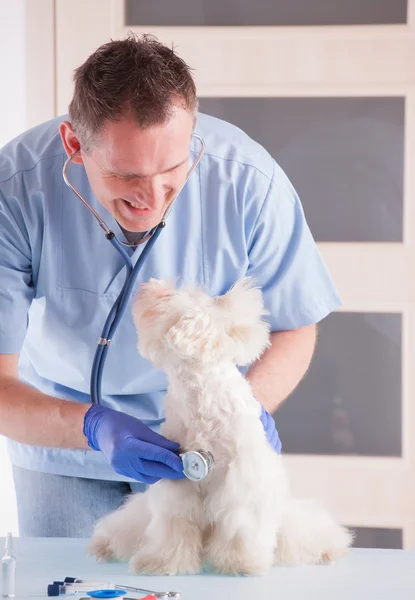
(9, 570)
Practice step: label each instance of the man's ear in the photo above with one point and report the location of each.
(70, 142)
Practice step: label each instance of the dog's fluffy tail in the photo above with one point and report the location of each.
(309, 535)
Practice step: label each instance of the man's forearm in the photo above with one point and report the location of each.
(30, 417)
(282, 366)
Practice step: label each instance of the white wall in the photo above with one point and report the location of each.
(12, 122)
(12, 62)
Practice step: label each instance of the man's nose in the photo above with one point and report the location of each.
(151, 192)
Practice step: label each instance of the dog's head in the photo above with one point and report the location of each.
(189, 325)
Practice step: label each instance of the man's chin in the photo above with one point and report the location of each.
(139, 224)
(134, 220)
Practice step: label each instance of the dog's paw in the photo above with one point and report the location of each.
(240, 555)
(235, 558)
(309, 536)
(338, 547)
(164, 565)
(324, 548)
(100, 547)
(240, 566)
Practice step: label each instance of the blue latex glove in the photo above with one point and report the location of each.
(130, 446)
(270, 430)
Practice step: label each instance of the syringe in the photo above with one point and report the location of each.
(59, 588)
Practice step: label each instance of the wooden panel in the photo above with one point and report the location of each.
(81, 27)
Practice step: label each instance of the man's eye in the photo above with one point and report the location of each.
(125, 177)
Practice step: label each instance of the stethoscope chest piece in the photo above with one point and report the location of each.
(196, 464)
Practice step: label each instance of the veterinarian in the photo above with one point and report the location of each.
(132, 119)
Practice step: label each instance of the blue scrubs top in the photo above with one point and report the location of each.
(59, 276)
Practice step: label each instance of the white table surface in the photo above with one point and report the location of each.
(364, 574)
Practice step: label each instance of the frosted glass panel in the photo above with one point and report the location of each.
(372, 537)
(344, 156)
(264, 12)
(350, 400)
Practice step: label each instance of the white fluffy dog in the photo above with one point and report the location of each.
(241, 518)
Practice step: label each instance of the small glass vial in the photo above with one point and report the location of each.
(8, 563)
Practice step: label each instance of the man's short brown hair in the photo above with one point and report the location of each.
(138, 77)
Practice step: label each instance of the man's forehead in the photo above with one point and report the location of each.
(140, 165)
(140, 174)
(129, 151)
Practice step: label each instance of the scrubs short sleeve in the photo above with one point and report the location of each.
(285, 261)
(16, 289)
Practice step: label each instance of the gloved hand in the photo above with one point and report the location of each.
(130, 446)
(270, 430)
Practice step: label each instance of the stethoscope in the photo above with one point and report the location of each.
(196, 463)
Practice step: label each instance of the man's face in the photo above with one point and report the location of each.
(136, 173)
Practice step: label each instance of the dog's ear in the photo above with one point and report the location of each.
(195, 336)
(154, 289)
(148, 295)
(244, 311)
